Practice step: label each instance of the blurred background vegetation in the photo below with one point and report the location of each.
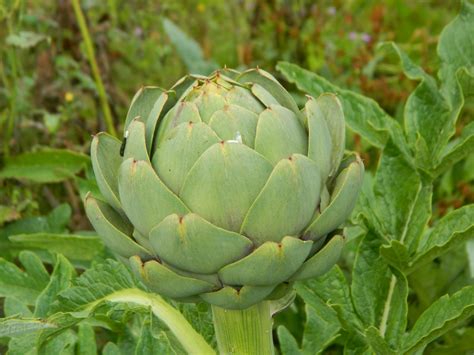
(49, 96)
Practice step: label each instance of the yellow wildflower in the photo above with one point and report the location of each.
(68, 96)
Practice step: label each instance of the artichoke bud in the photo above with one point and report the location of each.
(223, 190)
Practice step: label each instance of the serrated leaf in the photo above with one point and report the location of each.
(402, 197)
(456, 150)
(332, 288)
(17, 283)
(435, 279)
(34, 267)
(321, 329)
(96, 283)
(62, 321)
(450, 231)
(424, 102)
(455, 48)
(379, 296)
(370, 280)
(430, 113)
(112, 283)
(45, 166)
(61, 279)
(430, 121)
(443, 315)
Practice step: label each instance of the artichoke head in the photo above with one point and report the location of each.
(223, 190)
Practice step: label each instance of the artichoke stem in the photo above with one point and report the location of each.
(247, 331)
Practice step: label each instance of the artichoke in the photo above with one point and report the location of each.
(223, 190)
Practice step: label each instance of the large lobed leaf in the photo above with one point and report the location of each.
(379, 295)
(430, 112)
(456, 49)
(25, 285)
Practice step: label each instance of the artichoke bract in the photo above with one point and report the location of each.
(223, 190)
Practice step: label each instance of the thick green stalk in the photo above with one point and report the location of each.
(247, 331)
(95, 68)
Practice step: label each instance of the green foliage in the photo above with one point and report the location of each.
(364, 115)
(396, 208)
(47, 165)
(405, 281)
(189, 50)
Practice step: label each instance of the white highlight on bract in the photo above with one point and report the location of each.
(237, 139)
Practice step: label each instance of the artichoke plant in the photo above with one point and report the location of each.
(223, 190)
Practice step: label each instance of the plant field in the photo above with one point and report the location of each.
(381, 100)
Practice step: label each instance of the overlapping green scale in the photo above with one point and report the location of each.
(143, 103)
(208, 103)
(235, 122)
(271, 85)
(322, 261)
(115, 231)
(342, 202)
(183, 111)
(106, 160)
(224, 182)
(165, 281)
(237, 298)
(287, 201)
(269, 264)
(224, 190)
(279, 134)
(145, 198)
(189, 242)
(243, 97)
(136, 147)
(179, 150)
